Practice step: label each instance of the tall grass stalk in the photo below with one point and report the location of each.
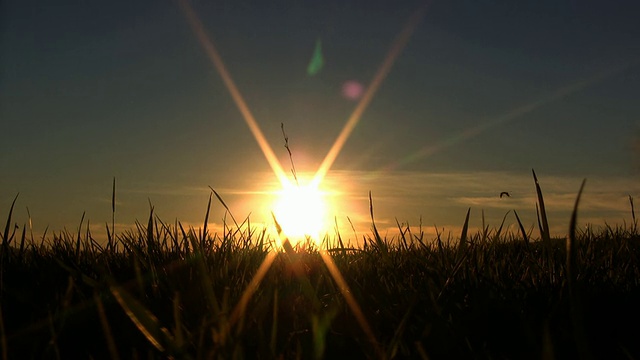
(543, 223)
(571, 271)
(463, 234)
(379, 243)
(6, 240)
(633, 217)
(522, 231)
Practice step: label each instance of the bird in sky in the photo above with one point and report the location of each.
(504, 193)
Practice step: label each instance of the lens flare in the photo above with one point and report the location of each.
(300, 211)
(352, 90)
(396, 48)
(216, 59)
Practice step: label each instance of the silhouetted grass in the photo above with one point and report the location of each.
(163, 291)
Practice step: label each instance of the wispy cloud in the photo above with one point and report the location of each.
(443, 198)
(165, 189)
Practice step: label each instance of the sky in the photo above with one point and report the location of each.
(482, 92)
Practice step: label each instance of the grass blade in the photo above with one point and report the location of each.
(150, 242)
(226, 208)
(465, 227)
(572, 240)
(378, 238)
(106, 329)
(205, 278)
(179, 336)
(499, 231)
(286, 145)
(403, 233)
(574, 299)
(143, 319)
(543, 224)
(22, 240)
(5, 239)
(206, 220)
(286, 244)
(485, 228)
(78, 238)
(633, 217)
(524, 233)
(340, 243)
(113, 215)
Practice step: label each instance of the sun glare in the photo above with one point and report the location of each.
(301, 212)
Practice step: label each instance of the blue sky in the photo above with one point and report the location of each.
(483, 92)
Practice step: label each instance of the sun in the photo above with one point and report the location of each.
(301, 212)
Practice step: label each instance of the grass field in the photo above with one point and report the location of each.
(160, 291)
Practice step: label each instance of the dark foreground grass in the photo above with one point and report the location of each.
(162, 291)
(493, 299)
